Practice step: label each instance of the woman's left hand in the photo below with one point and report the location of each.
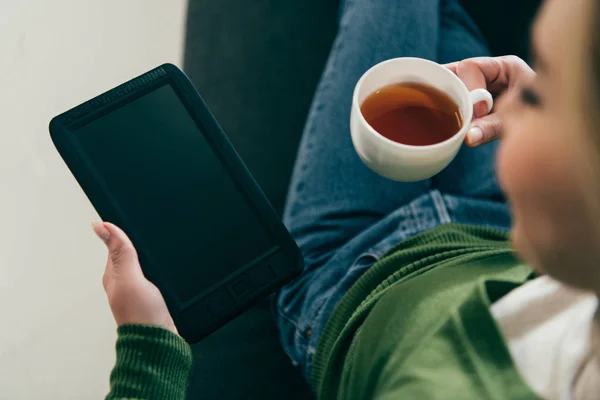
(498, 75)
(133, 299)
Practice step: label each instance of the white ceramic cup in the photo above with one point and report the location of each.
(398, 161)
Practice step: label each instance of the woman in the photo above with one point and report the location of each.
(411, 290)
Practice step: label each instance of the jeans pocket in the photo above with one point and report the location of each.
(362, 263)
(365, 260)
(372, 255)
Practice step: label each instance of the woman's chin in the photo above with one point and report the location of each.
(523, 249)
(515, 239)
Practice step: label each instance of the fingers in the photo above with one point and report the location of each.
(496, 74)
(473, 78)
(469, 72)
(492, 73)
(478, 73)
(452, 66)
(484, 130)
(122, 256)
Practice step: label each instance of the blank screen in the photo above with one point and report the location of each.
(181, 207)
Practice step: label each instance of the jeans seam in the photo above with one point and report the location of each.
(310, 342)
(440, 207)
(414, 216)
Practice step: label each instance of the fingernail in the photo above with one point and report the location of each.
(101, 231)
(475, 135)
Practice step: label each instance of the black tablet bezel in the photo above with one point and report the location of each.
(193, 319)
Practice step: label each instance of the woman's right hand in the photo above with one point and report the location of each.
(133, 299)
(500, 76)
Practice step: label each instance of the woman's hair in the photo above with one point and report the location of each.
(585, 100)
(592, 36)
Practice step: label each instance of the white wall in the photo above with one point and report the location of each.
(56, 331)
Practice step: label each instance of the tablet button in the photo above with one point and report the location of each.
(261, 274)
(240, 286)
(279, 263)
(220, 301)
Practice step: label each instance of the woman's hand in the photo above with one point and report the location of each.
(133, 299)
(499, 75)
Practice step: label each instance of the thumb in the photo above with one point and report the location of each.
(484, 130)
(121, 252)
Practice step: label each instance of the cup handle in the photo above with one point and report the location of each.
(478, 95)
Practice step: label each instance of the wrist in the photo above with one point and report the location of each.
(149, 323)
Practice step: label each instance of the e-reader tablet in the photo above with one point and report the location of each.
(151, 158)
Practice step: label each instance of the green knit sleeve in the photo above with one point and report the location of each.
(152, 363)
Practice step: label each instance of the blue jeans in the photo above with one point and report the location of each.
(342, 215)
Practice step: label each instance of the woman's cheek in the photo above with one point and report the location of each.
(510, 162)
(508, 108)
(526, 152)
(520, 169)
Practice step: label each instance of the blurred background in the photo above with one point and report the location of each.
(57, 336)
(256, 63)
